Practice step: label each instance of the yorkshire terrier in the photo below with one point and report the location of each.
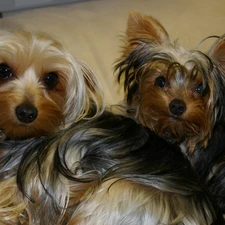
(177, 93)
(42, 87)
(109, 170)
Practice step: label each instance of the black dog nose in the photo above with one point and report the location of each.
(26, 113)
(177, 107)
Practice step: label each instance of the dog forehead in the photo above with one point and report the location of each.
(186, 58)
(28, 43)
(179, 61)
(23, 50)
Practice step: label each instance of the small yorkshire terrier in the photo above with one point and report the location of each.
(42, 87)
(177, 93)
(109, 170)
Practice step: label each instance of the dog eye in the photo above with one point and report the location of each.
(200, 89)
(51, 80)
(5, 72)
(160, 81)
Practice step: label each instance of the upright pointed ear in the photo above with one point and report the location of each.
(217, 53)
(144, 29)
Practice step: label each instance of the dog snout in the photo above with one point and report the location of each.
(177, 107)
(26, 113)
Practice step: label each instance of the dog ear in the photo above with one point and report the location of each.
(144, 29)
(94, 88)
(85, 94)
(217, 53)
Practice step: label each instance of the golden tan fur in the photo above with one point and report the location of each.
(32, 59)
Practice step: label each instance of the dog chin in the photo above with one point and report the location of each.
(176, 130)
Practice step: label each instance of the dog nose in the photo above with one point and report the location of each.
(177, 107)
(26, 113)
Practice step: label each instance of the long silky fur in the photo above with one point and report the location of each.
(109, 170)
(210, 165)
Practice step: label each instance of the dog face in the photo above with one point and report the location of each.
(42, 87)
(177, 93)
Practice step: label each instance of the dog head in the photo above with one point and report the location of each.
(177, 93)
(42, 87)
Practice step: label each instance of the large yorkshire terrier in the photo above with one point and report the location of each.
(42, 88)
(177, 93)
(106, 171)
